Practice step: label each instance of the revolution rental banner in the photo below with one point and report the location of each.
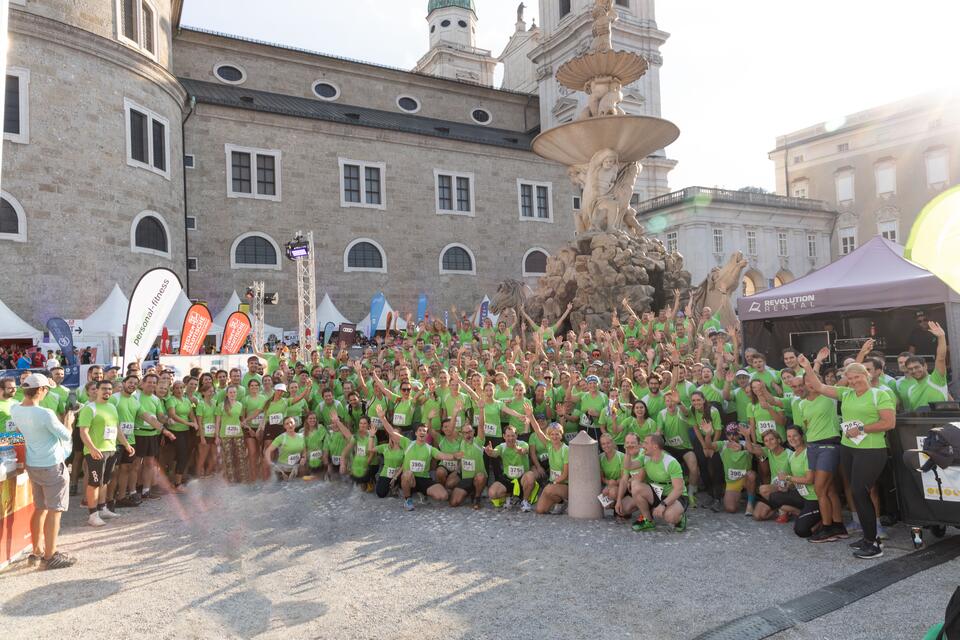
(235, 333)
(62, 334)
(150, 304)
(196, 324)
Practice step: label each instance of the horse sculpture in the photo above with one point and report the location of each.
(511, 294)
(717, 288)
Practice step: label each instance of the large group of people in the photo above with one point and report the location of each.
(481, 416)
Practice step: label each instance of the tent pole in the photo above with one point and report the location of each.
(953, 336)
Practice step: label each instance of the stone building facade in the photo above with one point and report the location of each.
(877, 168)
(139, 142)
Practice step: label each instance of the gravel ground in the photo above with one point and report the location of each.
(325, 560)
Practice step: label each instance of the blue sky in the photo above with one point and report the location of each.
(736, 74)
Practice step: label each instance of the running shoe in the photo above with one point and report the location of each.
(95, 520)
(638, 525)
(854, 527)
(526, 507)
(748, 512)
(149, 495)
(840, 531)
(869, 551)
(57, 561)
(559, 508)
(824, 535)
(33, 560)
(693, 500)
(509, 503)
(408, 504)
(858, 544)
(645, 525)
(106, 514)
(497, 502)
(682, 525)
(707, 502)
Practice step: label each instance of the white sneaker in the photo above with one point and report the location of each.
(560, 507)
(510, 503)
(106, 514)
(526, 506)
(95, 520)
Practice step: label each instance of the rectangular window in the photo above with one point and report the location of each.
(192, 264)
(843, 148)
(137, 25)
(811, 245)
(781, 243)
(671, 241)
(11, 106)
(845, 187)
(888, 230)
(718, 241)
(129, 20)
(798, 159)
(938, 167)
(362, 184)
(751, 243)
(149, 36)
(16, 108)
(189, 161)
(148, 138)
(454, 193)
(536, 200)
(576, 203)
(848, 240)
(623, 3)
(372, 184)
(886, 176)
(253, 173)
(564, 7)
(351, 183)
(800, 189)
(191, 223)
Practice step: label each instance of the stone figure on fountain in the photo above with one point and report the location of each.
(604, 15)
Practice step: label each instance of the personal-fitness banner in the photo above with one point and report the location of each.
(150, 304)
(196, 324)
(62, 334)
(235, 333)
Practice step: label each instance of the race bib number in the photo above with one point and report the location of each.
(569, 436)
(514, 471)
(468, 465)
(450, 465)
(459, 421)
(554, 475)
(766, 425)
(735, 474)
(391, 472)
(852, 424)
(398, 419)
(361, 450)
(657, 489)
(316, 456)
(490, 430)
(377, 422)
(335, 460)
(585, 420)
(276, 418)
(417, 466)
(675, 441)
(258, 420)
(209, 429)
(110, 433)
(233, 430)
(476, 421)
(802, 490)
(605, 501)
(293, 459)
(126, 428)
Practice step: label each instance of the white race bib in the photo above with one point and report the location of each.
(209, 429)
(276, 418)
(766, 425)
(490, 429)
(476, 421)
(110, 433)
(398, 419)
(802, 490)
(316, 456)
(361, 451)
(514, 472)
(10, 426)
(293, 459)
(459, 422)
(417, 466)
(735, 474)
(335, 460)
(391, 472)
(258, 420)
(126, 428)
(468, 465)
(377, 422)
(450, 465)
(675, 441)
(657, 489)
(554, 475)
(585, 420)
(852, 424)
(232, 430)
(605, 501)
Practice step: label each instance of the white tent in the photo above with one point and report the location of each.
(12, 326)
(490, 314)
(328, 312)
(109, 318)
(364, 325)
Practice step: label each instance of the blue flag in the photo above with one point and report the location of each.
(328, 331)
(62, 334)
(484, 311)
(446, 319)
(376, 310)
(422, 307)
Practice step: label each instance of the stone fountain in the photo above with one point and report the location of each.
(602, 147)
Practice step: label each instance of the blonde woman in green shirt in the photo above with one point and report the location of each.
(206, 425)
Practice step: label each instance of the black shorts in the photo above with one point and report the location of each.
(422, 484)
(683, 501)
(123, 457)
(100, 472)
(148, 446)
(77, 442)
(467, 485)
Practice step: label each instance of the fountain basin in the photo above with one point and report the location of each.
(632, 137)
(625, 66)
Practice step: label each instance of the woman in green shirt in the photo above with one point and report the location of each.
(314, 434)
(291, 448)
(737, 464)
(611, 468)
(556, 490)
(230, 440)
(206, 413)
(181, 420)
(778, 458)
(800, 475)
(252, 421)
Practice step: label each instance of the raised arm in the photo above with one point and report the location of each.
(563, 316)
(814, 380)
(940, 366)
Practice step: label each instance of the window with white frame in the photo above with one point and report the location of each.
(255, 251)
(888, 229)
(671, 241)
(576, 203)
(848, 240)
(844, 181)
(149, 234)
(193, 264)
(534, 262)
(253, 173)
(457, 259)
(364, 254)
(751, 243)
(937, 163)
(148, 139)
(800, 189)
(454, 192)
(16, 111)
(782, 243)
(362, 184)
(885, 173)
(13, 219)
(535, 200)
(811, 245)
(138, 25)
(718, 240)
(191, 223)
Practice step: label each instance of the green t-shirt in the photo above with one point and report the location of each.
(102, 424)
(588, 403)
(296, 410)
(558, 459)
(449, 446)
(230, 420)
(182, 408)
(128, 408)
(778, 461)
(334, 444)
(6, 422)
(741, 399)
(403, 413)
(289, 448)
(516, 462)
(763, 421)
(151, 405)
(715, 423)
(417, 458)
(472, 462)
(362, 448)
(676, 431)
(491, 426)
(392, 458)
(611, 468)
(736, 464)
(253, 404)
(661, 473)
(933, 388)
(207, 417)
(314, 443)
(799, 467)
(818, 418)
(655, 403)
(275, 411)
(864, 409)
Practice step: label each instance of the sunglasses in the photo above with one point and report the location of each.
(405, 389)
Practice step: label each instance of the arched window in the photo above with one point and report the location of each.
(456, 258)
(13, 221)
(535, 262)
(149, 234)
(364, 254)
(255, 251)
(752, 282)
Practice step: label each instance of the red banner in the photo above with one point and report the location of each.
(196, 324)
(235, 333)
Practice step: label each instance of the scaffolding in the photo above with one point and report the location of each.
(306, 297)
(256, 311)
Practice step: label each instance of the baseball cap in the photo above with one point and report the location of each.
(711, 332)
(35, 381)
(280, 387)
(593, 379)
(743, 372)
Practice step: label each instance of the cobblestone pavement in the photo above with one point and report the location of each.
(327, 561)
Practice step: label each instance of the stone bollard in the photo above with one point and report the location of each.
(584, 461)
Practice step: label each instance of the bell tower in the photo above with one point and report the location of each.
(453, 50)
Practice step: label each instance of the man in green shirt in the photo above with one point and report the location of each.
(8, 389)
(662, 494)
(925, 388)
(473, 472)
(148, 428)
(100, 431)
(417, 459)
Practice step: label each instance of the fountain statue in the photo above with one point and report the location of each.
(603, 147)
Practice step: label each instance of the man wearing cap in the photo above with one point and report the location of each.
(48, 443)
(738, 394)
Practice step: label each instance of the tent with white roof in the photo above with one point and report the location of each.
(109, 318)
(13, 327)
(328, 312)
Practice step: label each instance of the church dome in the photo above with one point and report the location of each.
(442, 4)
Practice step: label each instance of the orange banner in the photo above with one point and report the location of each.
(196, 324)
(235, 333)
